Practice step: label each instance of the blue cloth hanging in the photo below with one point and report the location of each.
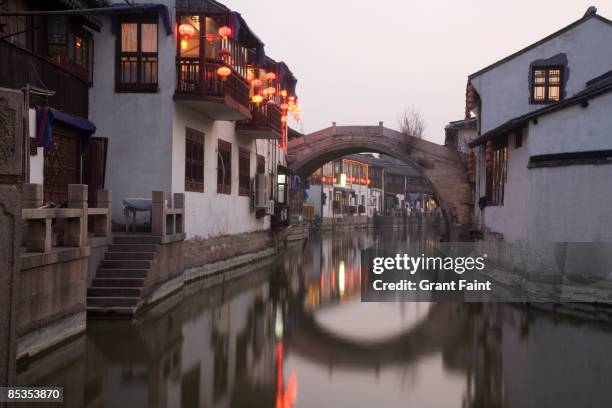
(45, 116)
(296, 183)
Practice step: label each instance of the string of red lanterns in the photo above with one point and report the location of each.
(264, 88)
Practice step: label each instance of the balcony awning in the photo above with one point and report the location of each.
(160, 8)
(242, 33)
(46, 116)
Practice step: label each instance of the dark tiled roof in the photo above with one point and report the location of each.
(461, 124)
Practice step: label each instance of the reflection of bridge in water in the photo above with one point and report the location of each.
(443, 327)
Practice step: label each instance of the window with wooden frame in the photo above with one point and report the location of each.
(518, 139)
(546, 84)
(261, 164)
(497, 172)
(244, 172)
(224, 167)
(136, 56)
(282, 184)
(194, 160)
(17, 29)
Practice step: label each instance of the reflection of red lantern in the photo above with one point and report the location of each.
(210, 37)
(187, 31)
(224, 71)
(225, 32)
(270, 76)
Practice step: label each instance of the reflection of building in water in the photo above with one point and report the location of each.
(216, 348)
(332, 270)
(219, 346)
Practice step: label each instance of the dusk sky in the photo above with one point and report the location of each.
(360, 62)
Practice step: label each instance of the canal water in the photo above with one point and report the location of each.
(292, 332)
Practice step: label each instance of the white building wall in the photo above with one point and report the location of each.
(374, 202)
(146, 144)
(504, 90)
(328, 207)
(570, 204)
(511, 218)
(209, 213)
(314, 198)
(561, 203)
(138, 125)
(37, 162)
(574, 129)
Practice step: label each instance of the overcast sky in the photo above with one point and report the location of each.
(359, 62)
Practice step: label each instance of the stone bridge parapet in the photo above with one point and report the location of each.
(440, 165)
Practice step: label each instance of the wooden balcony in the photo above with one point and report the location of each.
(265, 123)
(20, 67)
(204, 91)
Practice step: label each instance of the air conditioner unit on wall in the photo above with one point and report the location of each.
(261, 191)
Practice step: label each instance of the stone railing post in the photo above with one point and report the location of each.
(158, 213)
(103, 225)
(75, 229)
(179, 221)
(38, 236)
(32, 196)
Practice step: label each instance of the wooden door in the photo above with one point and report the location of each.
(94, 168)
(61, 167)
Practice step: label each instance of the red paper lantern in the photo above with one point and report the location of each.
(256, 82)
(225, 32)
(257, 99)
(224, 71)
(270, 76)
(187, 31)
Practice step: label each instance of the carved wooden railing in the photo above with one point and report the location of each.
(193, 80)
(264, 116)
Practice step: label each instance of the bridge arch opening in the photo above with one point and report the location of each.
(441, 166)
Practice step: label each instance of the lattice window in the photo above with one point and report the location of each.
(137, 54)
(261, 164)
(244, 172)
(194, 160)
(61, 167)
(497, 173)
(547, 84)
(224, 167)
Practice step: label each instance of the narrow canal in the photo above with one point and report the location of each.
(292, 331)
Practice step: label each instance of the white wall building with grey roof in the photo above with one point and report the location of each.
(548, 178)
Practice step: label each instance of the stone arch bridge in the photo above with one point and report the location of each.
(440, 165)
